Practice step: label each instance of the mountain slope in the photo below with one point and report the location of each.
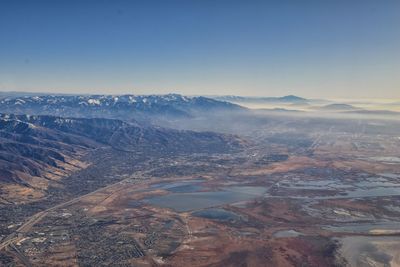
(31, 157)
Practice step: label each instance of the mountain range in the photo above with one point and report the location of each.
(114, 106)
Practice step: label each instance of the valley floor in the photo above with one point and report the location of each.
(330, 201)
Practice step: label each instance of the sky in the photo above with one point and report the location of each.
(310, 48)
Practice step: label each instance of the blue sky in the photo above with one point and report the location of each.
(333, 49)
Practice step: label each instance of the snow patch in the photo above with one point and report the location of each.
(92, 101)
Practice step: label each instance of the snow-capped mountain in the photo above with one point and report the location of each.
(113, 106)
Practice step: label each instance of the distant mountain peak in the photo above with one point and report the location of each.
(339, 107)
(292, 98)
(260, 99)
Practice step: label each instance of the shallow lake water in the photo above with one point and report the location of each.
(251, 190)
(372, 192)
(217, 214)
(367, 187)
(365, 227)
(386, 159)
(286, 233)
(182, 202)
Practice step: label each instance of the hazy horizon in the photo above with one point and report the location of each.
(314, 49)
